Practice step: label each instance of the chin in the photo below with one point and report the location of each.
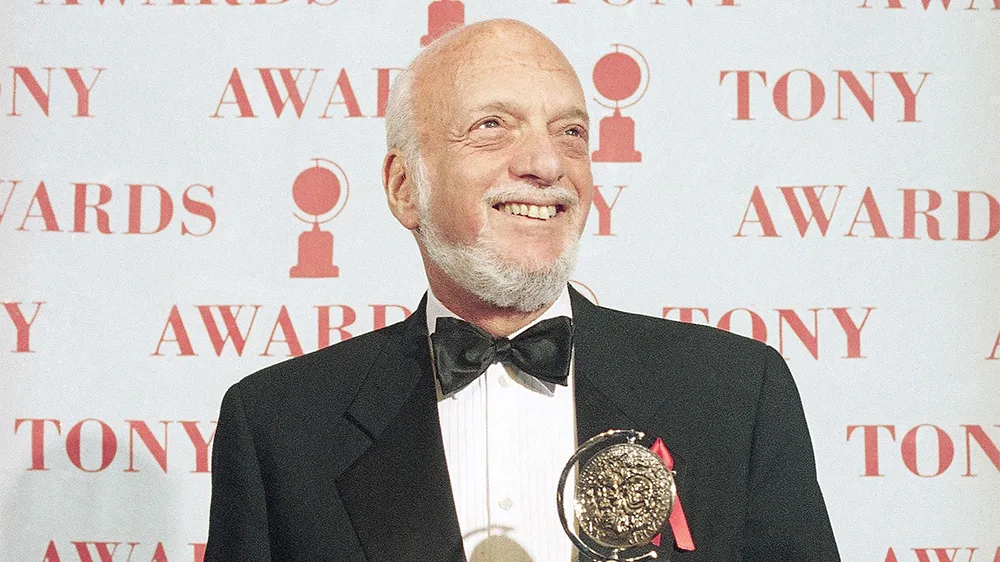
(509, 278)
(531, 254)
(529, 265)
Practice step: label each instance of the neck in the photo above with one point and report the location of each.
(499, 322)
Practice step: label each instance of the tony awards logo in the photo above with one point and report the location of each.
(585, 291)
(620, 79)
(318, 191)
(442, 17)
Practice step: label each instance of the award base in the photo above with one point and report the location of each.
(315, 255)
(617, 140)
(442, 17)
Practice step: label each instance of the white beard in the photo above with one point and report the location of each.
(481, 270)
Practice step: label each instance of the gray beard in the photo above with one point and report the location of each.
(481, 270)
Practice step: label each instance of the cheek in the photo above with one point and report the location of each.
(459, 212)
(587, 197)
(458, 192)
(465, 195)
(585, 191)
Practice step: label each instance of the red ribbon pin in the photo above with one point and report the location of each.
(678, 523)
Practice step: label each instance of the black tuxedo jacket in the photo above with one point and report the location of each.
(337, 455)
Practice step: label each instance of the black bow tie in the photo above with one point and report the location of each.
(463, 351)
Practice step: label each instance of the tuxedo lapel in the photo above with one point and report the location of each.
(613, 384)
(398, 492)
(594, 370)
(604, 373)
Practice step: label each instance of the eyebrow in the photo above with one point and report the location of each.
(513, 108)
(502, 106)
(577, 113)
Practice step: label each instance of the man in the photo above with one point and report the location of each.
(389, 447)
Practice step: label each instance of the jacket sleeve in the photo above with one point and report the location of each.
(238, 529)
(786, 518)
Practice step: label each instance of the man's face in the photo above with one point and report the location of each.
(503, 133)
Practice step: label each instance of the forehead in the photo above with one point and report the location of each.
(515, 69)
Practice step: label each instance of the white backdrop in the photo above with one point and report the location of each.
(820, 175)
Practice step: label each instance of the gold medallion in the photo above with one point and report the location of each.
(623, 497)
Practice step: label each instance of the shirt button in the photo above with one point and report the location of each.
(506, 504)
(504, 381)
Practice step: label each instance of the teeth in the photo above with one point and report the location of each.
(543, 212)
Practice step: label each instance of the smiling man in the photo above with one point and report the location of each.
(442, 437)
(494, 118)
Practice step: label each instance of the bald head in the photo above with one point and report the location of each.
(426, 88)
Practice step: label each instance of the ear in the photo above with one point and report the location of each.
(400, 192)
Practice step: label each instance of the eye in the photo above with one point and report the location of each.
(576, 131)
(491, 123)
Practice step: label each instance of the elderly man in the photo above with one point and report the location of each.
(442, 437)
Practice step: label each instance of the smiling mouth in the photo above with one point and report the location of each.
(540, 212)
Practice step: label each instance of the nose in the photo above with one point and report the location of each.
(537, 160)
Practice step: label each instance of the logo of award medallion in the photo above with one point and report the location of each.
(585, 291)
(442, 17)
(318, 191)
(620, 79)
(623, 499)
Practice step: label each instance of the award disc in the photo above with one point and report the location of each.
(622, 499)
(624, 496)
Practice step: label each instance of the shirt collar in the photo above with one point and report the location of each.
(561, 307)
(435, 310)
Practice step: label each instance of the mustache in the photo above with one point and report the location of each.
(523, 191)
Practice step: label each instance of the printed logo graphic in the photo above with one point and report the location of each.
(752, 323)
(135, 208)
(911, 215)
(585, 291)
(290, 89)
(105, 550)
(621, 80)
(661, 3)
(800, 88)
(927, 450)
(51, 102)
(318, 191)
(945, 4)
(228, 328)
(22, 325)
(92, 445)
(442, 17)
(942, 554)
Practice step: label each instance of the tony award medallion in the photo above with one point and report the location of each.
(623, 499)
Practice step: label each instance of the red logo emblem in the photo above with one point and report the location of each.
(318, 191)
(620, 79)
(585, 291)
(442, 17)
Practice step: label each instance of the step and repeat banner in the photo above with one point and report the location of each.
(190, 191)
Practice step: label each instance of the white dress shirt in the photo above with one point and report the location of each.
(507, 436)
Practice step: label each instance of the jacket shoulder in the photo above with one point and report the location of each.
(331, 375)
(695, 340)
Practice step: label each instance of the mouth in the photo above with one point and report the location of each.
(532, 211)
